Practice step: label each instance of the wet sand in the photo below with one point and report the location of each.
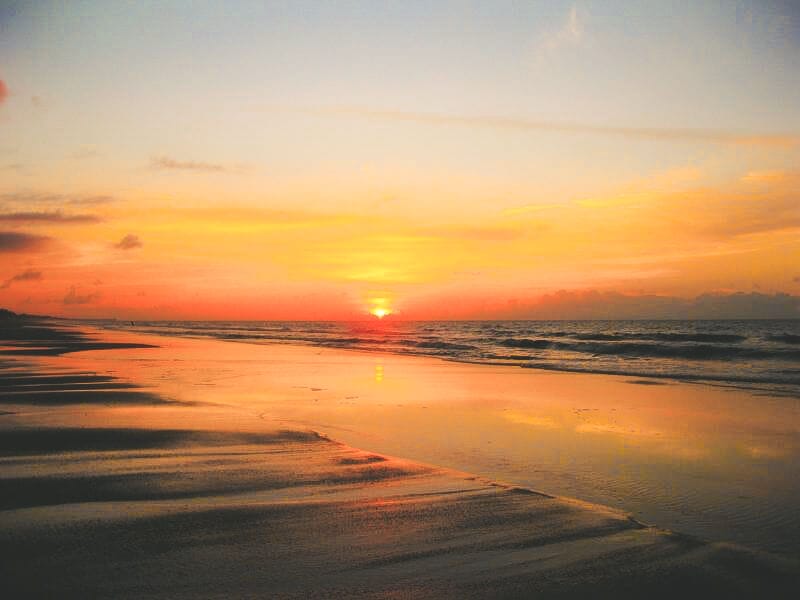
(122, 475)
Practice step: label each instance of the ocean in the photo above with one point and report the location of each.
(762, 355)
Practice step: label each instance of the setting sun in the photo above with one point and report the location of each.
(380, 312)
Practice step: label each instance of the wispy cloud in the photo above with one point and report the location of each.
(16, 241)
(764, 177)
(486, 233)
(570, 33)
(91, 200)
(47, 199)
(623, 199)
(528, 209)
(73, 297)
(129, 242)
(28, 275)
(55, 217)
(745, 217)
(717, 136)
(166, 163)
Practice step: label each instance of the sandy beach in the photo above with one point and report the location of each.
(147, 466)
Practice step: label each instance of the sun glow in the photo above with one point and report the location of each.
(380, 304)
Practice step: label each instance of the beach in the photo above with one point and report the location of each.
(399, 300)
(137, 465)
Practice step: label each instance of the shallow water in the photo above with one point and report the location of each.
(718, 463)
(759, 354)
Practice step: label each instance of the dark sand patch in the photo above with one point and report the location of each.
(38, 336)
(55, 440)
(68, 397)
(361, 460)
(24, 384)
(58, 348)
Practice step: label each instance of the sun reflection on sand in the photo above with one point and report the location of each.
(533, 420)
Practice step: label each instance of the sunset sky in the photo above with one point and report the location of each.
(310, 160)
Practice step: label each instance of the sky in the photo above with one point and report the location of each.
(332, 160)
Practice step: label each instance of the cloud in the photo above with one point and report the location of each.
(29, 275)
(55, 217)
(3, 91)
(764, 177)
(594, 304)
(129, 242)
(39, 198)
(624, 199)
(73, 297)
(725, 217)
(166, 163)
(476, 233)
(570, 33)
(745, 306)
(90, 200)
(655, 207)
(14, 241)
(716, 136)
(527, 209)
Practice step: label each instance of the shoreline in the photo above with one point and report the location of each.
(612, 385)
(776, 387)
(360, 480)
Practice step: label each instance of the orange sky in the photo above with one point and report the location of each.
(552, 175)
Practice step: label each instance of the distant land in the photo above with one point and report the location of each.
(7, 315)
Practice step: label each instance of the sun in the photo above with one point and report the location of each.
(380, 312)
(379, 304)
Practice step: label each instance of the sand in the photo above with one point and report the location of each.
(127, 478)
